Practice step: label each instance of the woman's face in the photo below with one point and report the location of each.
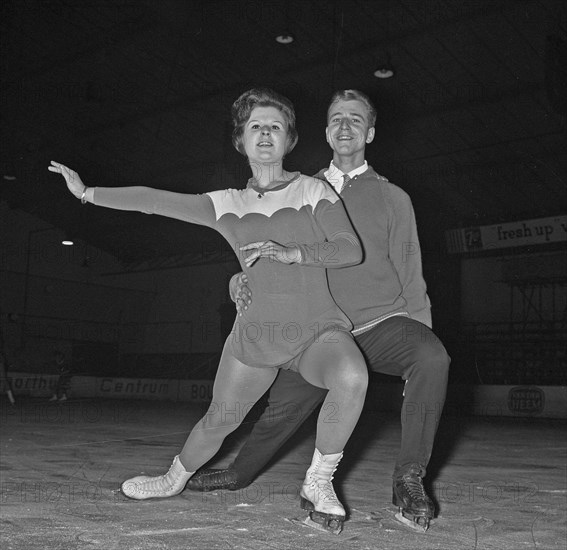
(265, 135)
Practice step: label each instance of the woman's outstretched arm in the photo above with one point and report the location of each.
(196, 209)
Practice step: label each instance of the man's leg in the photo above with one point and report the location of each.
(400, 346)
(291, 401)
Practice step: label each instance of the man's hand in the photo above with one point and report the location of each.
(239, 292)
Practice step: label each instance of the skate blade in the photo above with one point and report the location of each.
(306, 504)
(333, 531)
(412, 524)
(320, 521)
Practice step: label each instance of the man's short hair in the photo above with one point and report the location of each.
(261, 97)
(350, 95)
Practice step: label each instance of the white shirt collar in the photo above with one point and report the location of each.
(335, 176)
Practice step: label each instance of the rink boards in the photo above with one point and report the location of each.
(486, 400)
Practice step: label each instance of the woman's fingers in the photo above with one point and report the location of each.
(256, 247)
(252, 246)
(55, 167)
(249, 260)
(61, 169)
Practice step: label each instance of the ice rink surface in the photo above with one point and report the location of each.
(499, 484)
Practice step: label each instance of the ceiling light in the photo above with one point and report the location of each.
(285, 38)
(384, 72)
(67, 242)
(384, 67)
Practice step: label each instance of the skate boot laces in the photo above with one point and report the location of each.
(414, 486)
(156, 484)
(220, 478)
(322, 491)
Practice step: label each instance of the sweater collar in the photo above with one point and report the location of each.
(335, 176)
(261, 190)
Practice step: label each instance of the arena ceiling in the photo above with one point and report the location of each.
(471, 125)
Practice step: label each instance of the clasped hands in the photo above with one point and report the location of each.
(239, 290)
(271, 250)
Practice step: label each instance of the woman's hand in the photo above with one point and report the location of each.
(72, 179)
(270, 249)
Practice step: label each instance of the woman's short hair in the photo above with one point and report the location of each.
(350, 95)
(261, 97)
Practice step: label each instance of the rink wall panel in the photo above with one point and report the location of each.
(462, 400)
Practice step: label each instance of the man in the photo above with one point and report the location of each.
(4, 379)
(385, 298)
(64, 380)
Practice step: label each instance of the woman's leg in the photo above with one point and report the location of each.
(236, 389)
(335, 363)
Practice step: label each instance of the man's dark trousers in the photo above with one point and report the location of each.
(397, 346)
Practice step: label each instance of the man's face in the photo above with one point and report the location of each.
(348, 129)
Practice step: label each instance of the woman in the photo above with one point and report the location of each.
(294, 324)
